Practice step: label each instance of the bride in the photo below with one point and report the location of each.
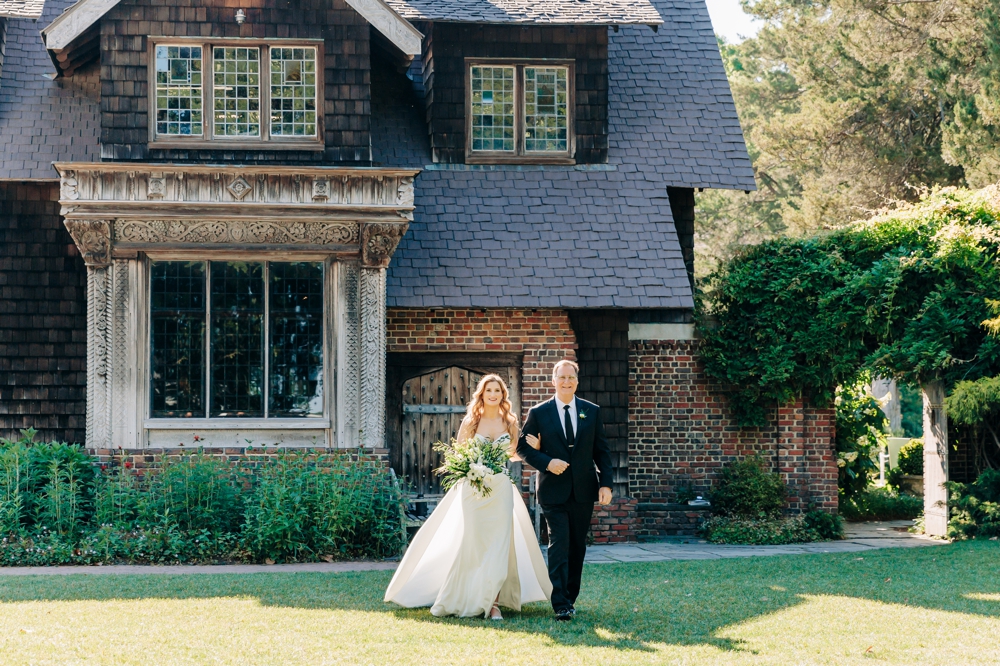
(474, 553)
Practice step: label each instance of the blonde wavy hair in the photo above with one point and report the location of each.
(474, 412)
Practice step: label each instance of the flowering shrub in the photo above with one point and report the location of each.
(861, 434)
(59, 506)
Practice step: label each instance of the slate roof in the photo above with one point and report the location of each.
(21, 8)
(577, 237)
(562, 12)
(599, 236)
(44, 120)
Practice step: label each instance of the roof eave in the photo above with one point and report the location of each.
(78, 18)
(556, 22)
(74, 21)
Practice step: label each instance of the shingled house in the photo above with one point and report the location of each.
(318, 222)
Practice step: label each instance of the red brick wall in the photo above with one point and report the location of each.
(543, 336)
(246, 457)
(615, 522)
(681, 434)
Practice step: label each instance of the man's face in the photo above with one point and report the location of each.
(565, 382)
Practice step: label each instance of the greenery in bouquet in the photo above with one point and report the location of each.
(473, 459)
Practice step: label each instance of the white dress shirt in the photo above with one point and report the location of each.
(572, 415)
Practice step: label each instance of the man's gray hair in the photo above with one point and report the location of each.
(566, 361)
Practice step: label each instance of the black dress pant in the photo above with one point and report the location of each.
(568, 525)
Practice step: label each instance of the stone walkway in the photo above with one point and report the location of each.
(860, 536)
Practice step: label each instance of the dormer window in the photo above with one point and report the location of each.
(258, 95)
(519, 112)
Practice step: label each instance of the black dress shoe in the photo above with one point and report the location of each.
(572, 611)
(564, 615)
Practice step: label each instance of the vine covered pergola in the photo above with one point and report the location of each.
(912, 293)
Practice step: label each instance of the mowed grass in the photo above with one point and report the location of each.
(937, 605)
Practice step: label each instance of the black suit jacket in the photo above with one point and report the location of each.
(591, 456)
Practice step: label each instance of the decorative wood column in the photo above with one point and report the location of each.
(378, 243)
(93, 239)
(935, 460)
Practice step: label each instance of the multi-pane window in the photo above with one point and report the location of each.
(492, 108)
(254, 92)
(293, 91)
(546, 109)
(236, 339)
(236, 91)
(519, 111)
(178, 90)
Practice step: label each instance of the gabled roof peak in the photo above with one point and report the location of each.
(72, 23)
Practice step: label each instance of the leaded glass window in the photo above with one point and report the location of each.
(237, 308)
(236, 339)
(255, 92)
(177, 300)
(546, 109)
(520, 112)
(296, 349)
(236, 91)
(293, 91)
(493, 109)
(178, 90)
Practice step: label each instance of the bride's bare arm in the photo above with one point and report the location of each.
(534, 442)
(465, 431)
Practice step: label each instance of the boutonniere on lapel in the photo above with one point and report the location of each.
(582, 415)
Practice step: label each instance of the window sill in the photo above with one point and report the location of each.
(314, 146)
(236, 424)
(518, 159)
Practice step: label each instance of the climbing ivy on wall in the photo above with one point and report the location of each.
(912, 293)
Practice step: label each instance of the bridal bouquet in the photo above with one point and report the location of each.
(473, 459)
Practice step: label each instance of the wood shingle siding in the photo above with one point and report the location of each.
(43, 317)
(448, 45)
(602, 352)
(125, 112)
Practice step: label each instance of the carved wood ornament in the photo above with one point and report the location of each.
(136, 205)
(93, 239)
(235, 232)
(355, 217)
(378, 243)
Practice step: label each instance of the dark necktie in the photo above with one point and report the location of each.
(570, 436)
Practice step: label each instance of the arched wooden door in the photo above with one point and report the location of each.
(433, 407)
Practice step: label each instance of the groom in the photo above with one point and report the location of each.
(574, 452)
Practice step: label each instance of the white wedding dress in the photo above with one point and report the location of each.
(471, 549)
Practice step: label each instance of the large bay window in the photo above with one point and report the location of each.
(519, 112)
(236, 339)
(265, 94)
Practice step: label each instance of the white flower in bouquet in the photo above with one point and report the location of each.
(474, 459)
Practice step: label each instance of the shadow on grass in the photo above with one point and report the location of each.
(623, 606)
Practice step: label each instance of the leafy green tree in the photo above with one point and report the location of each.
(906, 294)
(976, 405)
(848, 105)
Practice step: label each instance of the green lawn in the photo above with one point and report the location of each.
(916, 606)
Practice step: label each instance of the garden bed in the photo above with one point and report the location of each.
(59, 505)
